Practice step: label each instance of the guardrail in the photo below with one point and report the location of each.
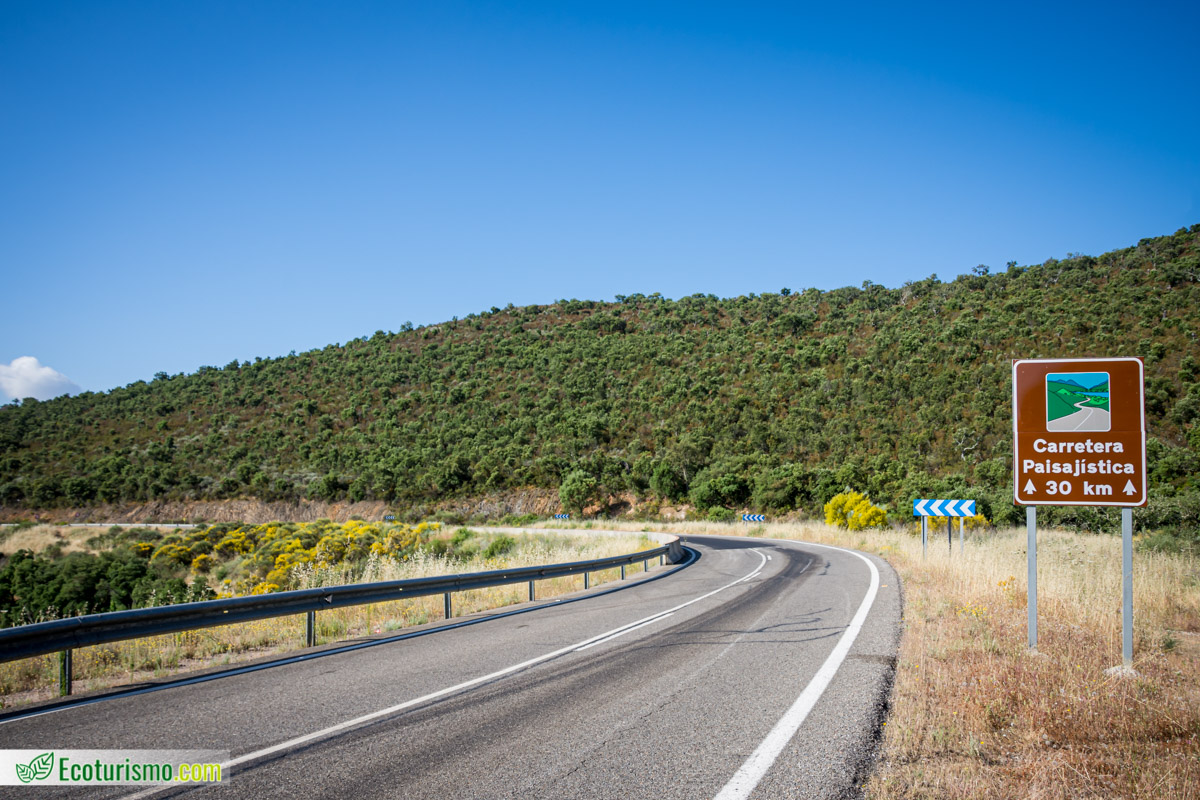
(64, 635)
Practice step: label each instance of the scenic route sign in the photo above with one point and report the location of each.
(943, 508)
(1079, 432)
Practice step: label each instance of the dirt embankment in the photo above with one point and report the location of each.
(542, 502)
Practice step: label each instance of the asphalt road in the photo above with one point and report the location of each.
(663, 689)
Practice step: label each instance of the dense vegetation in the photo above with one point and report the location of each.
(137, 567)
(770, 402)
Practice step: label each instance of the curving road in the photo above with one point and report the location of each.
(701, 681)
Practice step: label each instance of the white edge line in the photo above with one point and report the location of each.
(755, 767)
(341, 726)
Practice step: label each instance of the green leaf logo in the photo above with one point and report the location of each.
(36, 770)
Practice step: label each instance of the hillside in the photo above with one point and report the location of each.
(770, 402)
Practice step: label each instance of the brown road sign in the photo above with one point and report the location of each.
(1079, 432)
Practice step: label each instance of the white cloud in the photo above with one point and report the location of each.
(28, 377)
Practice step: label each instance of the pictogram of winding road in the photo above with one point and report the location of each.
(1086, 419)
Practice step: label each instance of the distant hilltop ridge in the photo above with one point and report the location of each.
(1092, 387)
(766, 402)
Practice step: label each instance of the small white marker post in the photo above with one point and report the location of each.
(1031, 558)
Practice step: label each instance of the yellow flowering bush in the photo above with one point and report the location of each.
(172, 554)
(854, 511)
(259, 558)
(234, 543)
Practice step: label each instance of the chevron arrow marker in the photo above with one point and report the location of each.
(943, 508)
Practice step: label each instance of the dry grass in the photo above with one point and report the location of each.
(130, 662)
(975, 715)
(38, 537)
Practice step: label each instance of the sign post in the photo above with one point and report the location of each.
(1031, 579)
(1079, 439)
(1127, 588)
(943, 508)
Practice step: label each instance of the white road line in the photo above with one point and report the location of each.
(341, 726)
(622, 633)
(752, 771)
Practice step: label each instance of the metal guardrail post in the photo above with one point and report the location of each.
(64, 673)
(531, 597)
(310, 629)
(587, 580)
(622, 572)
(662, 559)
(448, 608)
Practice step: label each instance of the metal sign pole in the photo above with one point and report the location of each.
(1127, 586)
(950, 533)
(1031, 557)
(924, 541)
(961, 521)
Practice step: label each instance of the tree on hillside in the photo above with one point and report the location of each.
(576, 491)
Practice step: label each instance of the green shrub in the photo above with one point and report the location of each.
(720, 514)
(499, 546)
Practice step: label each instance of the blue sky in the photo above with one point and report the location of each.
(190, 183)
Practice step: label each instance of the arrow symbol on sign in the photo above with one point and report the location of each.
(1129, 488)
(1030, 488)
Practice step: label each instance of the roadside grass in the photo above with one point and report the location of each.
(39, 537)
(975, 715)
(131, 662)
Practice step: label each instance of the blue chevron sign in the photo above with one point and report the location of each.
(562, 516)
(754, 518)
(943, 508)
